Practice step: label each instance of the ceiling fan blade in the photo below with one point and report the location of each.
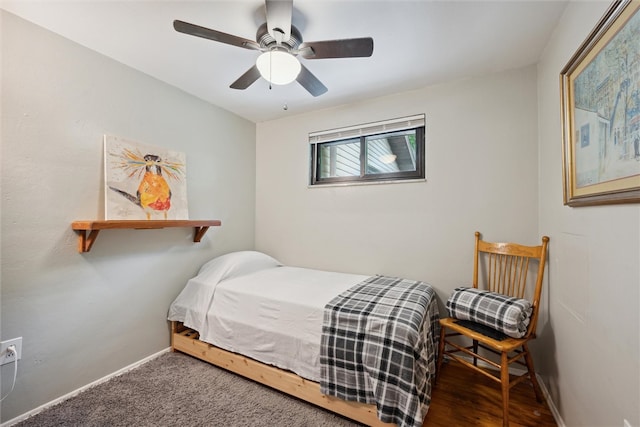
(247, 79)
(279, 14)
(218, 36)
(343, 48)
(310, 82)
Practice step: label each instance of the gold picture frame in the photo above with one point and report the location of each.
(600, 97)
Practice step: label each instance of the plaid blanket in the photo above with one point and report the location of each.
(508, 315)
(379, 344)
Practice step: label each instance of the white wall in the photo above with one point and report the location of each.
(83, 316)
(592, 342)
(481, 144)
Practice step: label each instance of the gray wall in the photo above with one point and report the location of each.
(83, 316)
(592, 342)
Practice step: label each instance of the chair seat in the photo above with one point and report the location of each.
(508, 344)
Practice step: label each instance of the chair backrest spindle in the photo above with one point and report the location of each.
(506, 268)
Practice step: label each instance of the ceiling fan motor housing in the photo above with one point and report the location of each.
(268, 42)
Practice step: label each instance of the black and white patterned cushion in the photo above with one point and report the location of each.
(508, 315)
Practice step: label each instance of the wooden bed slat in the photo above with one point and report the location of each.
(185, 341)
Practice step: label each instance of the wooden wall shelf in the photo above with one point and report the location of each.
(85, 241)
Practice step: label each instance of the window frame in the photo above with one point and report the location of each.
(364, 177)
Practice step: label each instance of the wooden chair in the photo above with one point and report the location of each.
(506, 266)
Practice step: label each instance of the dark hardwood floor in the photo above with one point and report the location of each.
(463, 397)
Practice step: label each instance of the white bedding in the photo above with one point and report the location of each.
(248, 303)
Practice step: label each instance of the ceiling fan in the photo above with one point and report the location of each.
(280, 42)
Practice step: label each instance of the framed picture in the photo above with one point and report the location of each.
(600, 95)
(144, 182)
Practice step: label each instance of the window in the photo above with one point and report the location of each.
(384, 151)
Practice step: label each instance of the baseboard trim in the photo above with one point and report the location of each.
(550, 402)
(54, 402)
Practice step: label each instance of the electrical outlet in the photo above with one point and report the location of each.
(5, 357)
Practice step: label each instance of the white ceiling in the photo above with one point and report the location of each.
(416, 44)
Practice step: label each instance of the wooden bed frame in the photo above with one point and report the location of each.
(186, 340)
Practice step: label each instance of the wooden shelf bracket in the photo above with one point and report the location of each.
(199, 233)
(88, 230)
(86, 241)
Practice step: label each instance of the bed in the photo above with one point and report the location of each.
(292, 329)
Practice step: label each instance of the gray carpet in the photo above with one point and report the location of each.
(178, 390)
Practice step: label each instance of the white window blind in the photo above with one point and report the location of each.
(391, 125)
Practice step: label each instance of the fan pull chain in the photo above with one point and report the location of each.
(270, 68)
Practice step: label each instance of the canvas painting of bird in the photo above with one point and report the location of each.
(144, 181)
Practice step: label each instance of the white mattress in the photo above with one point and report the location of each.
(271, 313)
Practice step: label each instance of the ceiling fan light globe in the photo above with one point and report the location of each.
(278, 67)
